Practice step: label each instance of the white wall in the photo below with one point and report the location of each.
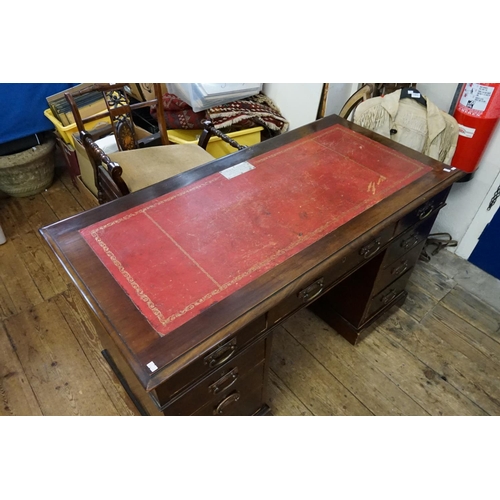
(298, 102)
(441, 94)
(464, 217)
(338, 93)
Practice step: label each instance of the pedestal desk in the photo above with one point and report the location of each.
(185, 280)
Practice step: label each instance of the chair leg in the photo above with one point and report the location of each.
(210, 130)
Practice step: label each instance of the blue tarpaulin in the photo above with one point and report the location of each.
(22, 106)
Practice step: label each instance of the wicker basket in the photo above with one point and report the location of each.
(29, 172)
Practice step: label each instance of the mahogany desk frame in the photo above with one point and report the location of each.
(217, 363)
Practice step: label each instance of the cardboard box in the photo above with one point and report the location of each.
(86, 192)
(86, 170)
(70, 159)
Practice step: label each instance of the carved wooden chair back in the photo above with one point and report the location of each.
(365, 92)
(119, 111)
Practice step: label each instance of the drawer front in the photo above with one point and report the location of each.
(424, 211)
(318, 284)
(244, 400)
(217, 356)
(408, 241)
(391, 272)
(367, 251)
(387, 296)
(220, 383)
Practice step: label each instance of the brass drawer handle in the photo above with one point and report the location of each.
(425, 211)
(312, 291)
(222, 354)
(370, 249)
(410, 242)
(390, 296)
(400, 269)
(230, 377)
(232, 398)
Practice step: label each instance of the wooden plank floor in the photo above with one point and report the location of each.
(437, 355)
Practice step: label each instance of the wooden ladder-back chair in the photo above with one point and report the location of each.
(139, 161)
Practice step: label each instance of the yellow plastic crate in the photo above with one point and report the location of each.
(66, 132)
(216, 146)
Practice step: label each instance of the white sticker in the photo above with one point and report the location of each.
(466, 131)
(236, 170)
(152, 366)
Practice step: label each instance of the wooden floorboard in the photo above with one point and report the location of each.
(370, 385)
(474, 312)
(21, 291)
(58, 370)
(282, 400)
(17, 396)
(445, 320)
(439, 354)
(446, 368)
(75, 314)
(320, 391)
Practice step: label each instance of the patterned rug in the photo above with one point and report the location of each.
(258, 110)
(247, 113)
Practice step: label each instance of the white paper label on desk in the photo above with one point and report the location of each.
(152, 366)
(236, 170)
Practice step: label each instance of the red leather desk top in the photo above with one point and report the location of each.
(182, 252)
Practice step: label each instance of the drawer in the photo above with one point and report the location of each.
(367, 251)
(318, 284)
(394, 270)
(220, 383)
(215, 357)
(408, 240)
(244, 400)
(424, 211)
(387, 296)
